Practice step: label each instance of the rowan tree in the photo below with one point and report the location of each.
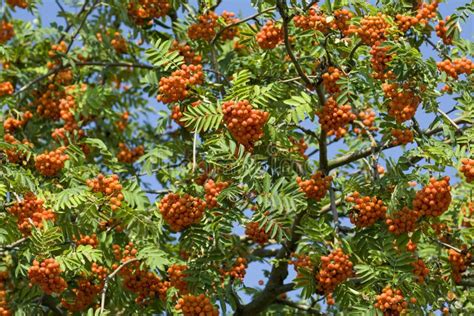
(161, 156)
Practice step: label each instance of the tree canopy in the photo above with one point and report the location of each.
(155, 152)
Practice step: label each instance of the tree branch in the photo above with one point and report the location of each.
(305, 308)
(14, 244)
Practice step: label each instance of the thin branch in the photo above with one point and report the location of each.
(83, 21)
(446, 245)
(108, 278)
(433, 45)
(302, 307)
(14, 244)
(335, 216)
(456, 126)
(69, 26)
(239, 22)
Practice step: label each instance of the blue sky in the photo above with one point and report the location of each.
(48, 12)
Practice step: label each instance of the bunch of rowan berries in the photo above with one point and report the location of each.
(380, 58)
(85, 293)
(191, 305)
(50, 163)
(181, 211)
(123, 121)
(402, 136)
(15, 155)
(18, 3)
(366, 211)
(231, 32)
(420, 270)
(177, 277)
(244, 122)
(142, 11)
(146, 285)
(402, 103)
(110, 187)
(175, 87)
(405, 22)
(213, 189)
(411, 246)
(301, 262)
(467, 212)
(256, 233)
(47, 102)
(4, 308)
(11, 124)
(367, 118)
(467, 168)
(238, 269)
(126, 155)
(6, 88)
(87, 240)
(47, 275)
(427, 11)
(315, 20)
(205, 28)
(119, 43)
(30, 212)
(330, 79)
(316, 187)
(6, 31)
(341, 20)
(129, 252)
(334, 118)
(459, 261)
(391, 302)
(402, 221)
(433, 199)
(456, 67)
(372, 29)
(185, 50)
(177, 115)
(442, 31)
(269, 36)
(300, 146)
(334, 270)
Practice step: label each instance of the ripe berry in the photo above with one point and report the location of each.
(11, 124)
(181, 211)
(256, 234)
(366, 211)
(411, 246)
(367, 118)
(87, 240)
(269, 36)
(433, 199)
(47, 275)
(316, 187)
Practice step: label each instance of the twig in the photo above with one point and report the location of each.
(239, 22)
(194, 149)
(456, 126)
(14, 244)
(307, 309)
(108, 278)
(335, 216)
(74, 35)
(446, 245)
(433, 45)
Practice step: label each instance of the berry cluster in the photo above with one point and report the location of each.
(420, 270)
(143, 11)
(47, 102)
(185, 50)
(425, 12)
(200, 305)
(50, 163)
(316, 187)
(110, 224)
(315, 20)
(205, 28)
(6, 88)
(123, 121)
(402, 136)
(238, 269)
(175, 87)
(47, 275)
(231, 32)
(367, 118)
(269, 36)
(372, 29)
(18, 3)
(129, 252)
(299, 146)
(402, 221)
(4, 310)
(366, 211)
(456, 67)
(380, 58)
(330, 79)
(459, 262)
(244, 122)
(177, 277)
(11, 124)
(341, 20)
(109, 187)
(442, 31)
(391, 302)
(256, 234)
(126, 155)
(301, 262)
(85, 293)
(213, 189)
(402, 103)
(467, 168)
(145, 284)
(16, 156)
(334, 270)
(6, 31)
(181, 211)
(30, 212)
(177, 115)
(433, 199)
(333, 118)
(119, 43)
(88, 240)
